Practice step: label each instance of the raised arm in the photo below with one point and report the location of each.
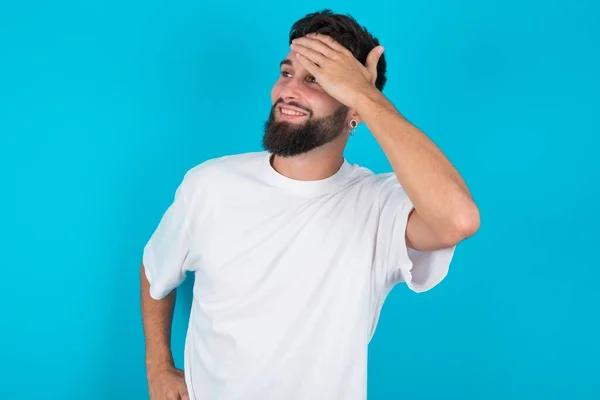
(444, 213)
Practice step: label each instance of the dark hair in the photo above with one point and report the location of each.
(346, 31)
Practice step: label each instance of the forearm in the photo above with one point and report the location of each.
(157, 317)
(435, 187)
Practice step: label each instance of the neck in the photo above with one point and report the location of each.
(317, 164)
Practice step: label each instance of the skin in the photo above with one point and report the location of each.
(165, 382)
(319, 75)
(296, 85)
(445, 213)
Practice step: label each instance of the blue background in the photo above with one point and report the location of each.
(105, 105)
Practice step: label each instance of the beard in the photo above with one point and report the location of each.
(286, 139)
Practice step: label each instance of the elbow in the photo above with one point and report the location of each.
(462, 226)
(469, 221)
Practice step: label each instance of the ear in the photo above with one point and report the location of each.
(354, 115)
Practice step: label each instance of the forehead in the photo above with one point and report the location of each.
(291, 61)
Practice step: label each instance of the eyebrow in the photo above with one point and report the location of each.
(287, 61)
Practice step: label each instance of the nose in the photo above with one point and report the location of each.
(291, 89)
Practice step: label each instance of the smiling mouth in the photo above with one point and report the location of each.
(287, 113)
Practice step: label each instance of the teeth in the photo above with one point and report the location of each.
(290, 112)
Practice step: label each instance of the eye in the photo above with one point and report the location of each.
(309, 78)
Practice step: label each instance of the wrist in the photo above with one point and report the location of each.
(367, 101)
(159, 363)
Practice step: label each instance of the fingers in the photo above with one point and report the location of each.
(372, 61)
(316, 45)
(316, 48)
(177, 394)
(329, 41)
(168, 385)
(314, 56)
(308, 64)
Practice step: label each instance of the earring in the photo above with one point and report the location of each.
(353, 125)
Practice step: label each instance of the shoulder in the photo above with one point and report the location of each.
(366, 179)
(215, 169)
(381, 189)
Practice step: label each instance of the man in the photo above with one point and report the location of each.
(295, 249)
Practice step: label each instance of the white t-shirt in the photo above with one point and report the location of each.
(290, 276)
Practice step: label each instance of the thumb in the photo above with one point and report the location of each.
(372, 60)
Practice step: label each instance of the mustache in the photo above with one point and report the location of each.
(293, 104)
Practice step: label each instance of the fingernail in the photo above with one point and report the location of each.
(381, 49)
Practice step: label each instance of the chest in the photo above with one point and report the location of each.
(261, 246)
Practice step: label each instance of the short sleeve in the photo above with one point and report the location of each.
(166, 253)
(420, 270)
